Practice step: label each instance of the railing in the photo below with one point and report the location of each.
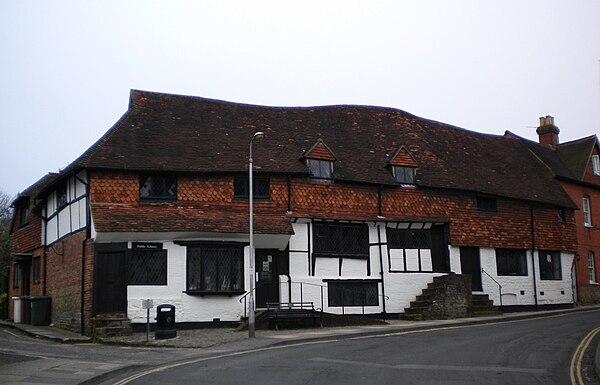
(321, 288)
(497, 283)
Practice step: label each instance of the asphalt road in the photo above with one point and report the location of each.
(535, 351)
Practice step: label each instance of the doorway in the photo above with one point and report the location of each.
(470, 263)
(110, 278)
(267, 276)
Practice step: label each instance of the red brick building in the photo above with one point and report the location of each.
(576, 165)
(356, 208)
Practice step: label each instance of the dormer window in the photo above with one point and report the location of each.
(404, 174)
(321, 169)
(596, 164)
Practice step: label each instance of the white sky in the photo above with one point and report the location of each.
(66, 67)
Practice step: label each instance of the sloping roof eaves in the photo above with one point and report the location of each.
(191, 134)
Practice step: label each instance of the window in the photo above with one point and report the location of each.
(260, 188)
(550, 265)
(61, 196)
(37, 269)
(562, 215)
(24, 215)
(511, 262)
(352, 294)
(591, 267)
(587, 215)
(320, 168)
(215, 268)
(486, 204)
(404, 175)
(596, 164)
(148, 267)
(341, 240)
(158, 186)
(17, 275)
(409, 250)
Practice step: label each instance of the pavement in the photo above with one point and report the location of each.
(207, 342)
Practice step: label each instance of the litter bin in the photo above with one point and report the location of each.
(40, 311)
(165, 322)
(26, 309)
(17, 311)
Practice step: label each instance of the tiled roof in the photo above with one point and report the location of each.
(576, 155)
(168, 218)
(192, 134)
(34, 189)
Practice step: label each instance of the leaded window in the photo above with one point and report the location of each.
(24, 215)
(511, 262)
(404, 175)
(318, 168)
(148, 267)
(487, 204)
(61, 196)
(550, 265)
(158, 186)
(352, 294)
(260, 188)
(408, 239)
(215, 268)
(341, 240)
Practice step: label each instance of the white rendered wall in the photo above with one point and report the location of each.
(518, 290)
(188, 308)
(70, 218)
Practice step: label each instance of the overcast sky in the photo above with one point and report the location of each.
(66, 67)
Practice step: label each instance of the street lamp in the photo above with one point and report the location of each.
(251, 321)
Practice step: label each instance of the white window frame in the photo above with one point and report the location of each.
(596, 164)
(591, 267)
(587, 215)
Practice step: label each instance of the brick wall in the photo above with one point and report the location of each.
(64, 260)
(588, 240)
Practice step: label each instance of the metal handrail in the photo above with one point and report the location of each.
(497, 283)
(321, 287)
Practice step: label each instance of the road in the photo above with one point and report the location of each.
(535, 351)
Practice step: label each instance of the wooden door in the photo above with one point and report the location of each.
(267, 283)
(110, 278)
(471, 264)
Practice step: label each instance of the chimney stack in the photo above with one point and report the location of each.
(547, 131)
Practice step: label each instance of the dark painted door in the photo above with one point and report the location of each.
(439, 250)
(110, 278)
(471, 264)
(267, 284)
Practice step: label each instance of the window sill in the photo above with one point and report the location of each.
(594, 283)
(203, 293)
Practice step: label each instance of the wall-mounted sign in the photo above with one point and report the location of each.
(146, 246)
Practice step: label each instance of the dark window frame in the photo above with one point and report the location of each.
(261, 188)
(405, 174)
(550, 270)
(62, 196)
(346, 294)
(487, 204)
(562, 215)
(37, 270)
(24, 215)
(147, 267)
(511, 262)
(330, 239)
(158, 182)
(196, 275)
(320, 168)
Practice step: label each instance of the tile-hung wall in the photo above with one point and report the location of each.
(66, 209)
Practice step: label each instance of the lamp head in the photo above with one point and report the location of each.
(258, 135)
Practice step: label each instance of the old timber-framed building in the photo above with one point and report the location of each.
(356, 208)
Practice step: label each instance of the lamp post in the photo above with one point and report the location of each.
(251, 321)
